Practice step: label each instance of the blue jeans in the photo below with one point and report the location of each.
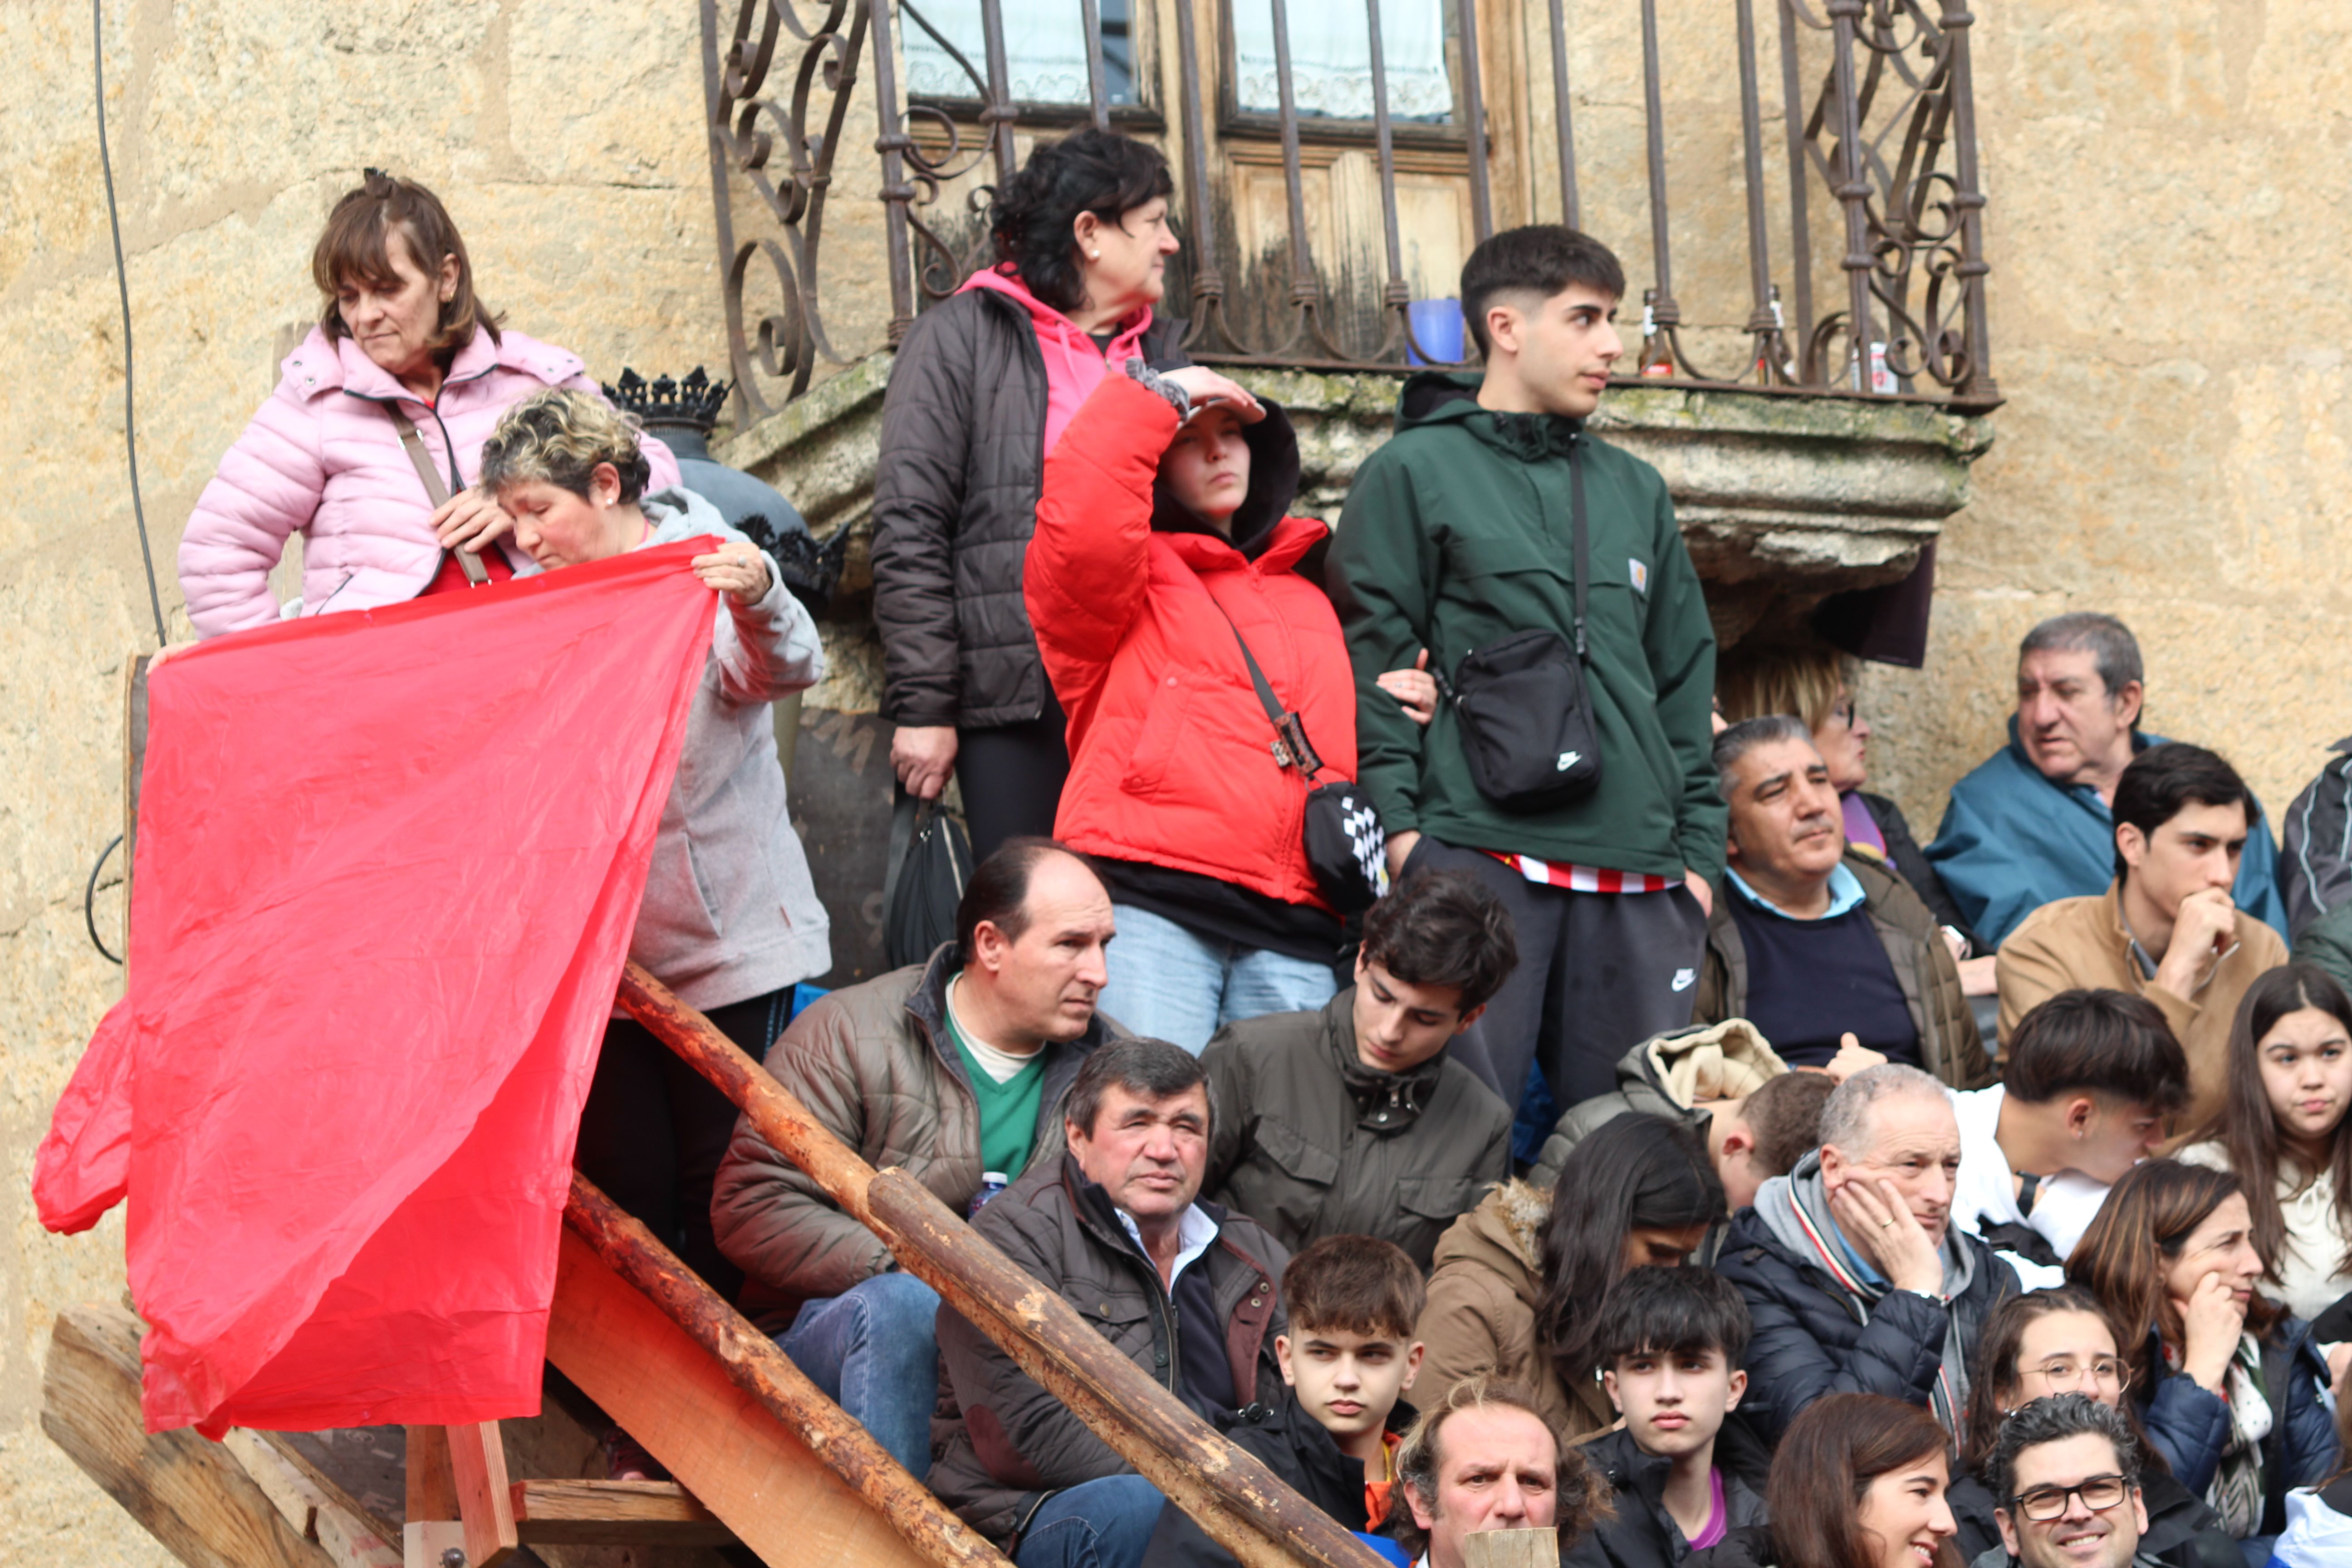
(1105, 1523)
(875, 1353)
(1171, 984)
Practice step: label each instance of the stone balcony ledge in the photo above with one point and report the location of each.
(1783, 498)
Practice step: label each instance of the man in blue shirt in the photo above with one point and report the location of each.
(2032, 825)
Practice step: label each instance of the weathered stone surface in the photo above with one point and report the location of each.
(2174, 447)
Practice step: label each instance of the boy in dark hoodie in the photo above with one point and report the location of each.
(1459, 532)
(1682, 1477)
(1348, 1358)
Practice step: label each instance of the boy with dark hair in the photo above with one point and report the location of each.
(1346, 1361)
(1682, 1477)
(2167, 928)
(1355, 1119)
(2092, 1079)
(1459, 533)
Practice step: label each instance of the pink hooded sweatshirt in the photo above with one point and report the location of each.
(1073, 365)
(322, 456)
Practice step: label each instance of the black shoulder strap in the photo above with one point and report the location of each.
(1290, 747)
(1582, 543)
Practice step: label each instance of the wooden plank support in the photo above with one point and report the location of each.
(477, 1462)
(312, 1503)
(192, 1495)
(1243, 1506)
(743, 1463)
(750, 1361)
(614, 1513)
(432, 1489)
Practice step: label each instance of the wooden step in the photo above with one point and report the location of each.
(616, 1513)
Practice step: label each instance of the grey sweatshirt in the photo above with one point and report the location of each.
(729, 911)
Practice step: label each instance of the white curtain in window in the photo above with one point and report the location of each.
(1045, 50)
(1331, 57)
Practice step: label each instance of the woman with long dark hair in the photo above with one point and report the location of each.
(1519, 1280)
(2228, 1385)
(1858, 1481)
(2049, 1342)
(2283, 1134)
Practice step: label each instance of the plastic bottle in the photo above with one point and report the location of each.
(991, 1184)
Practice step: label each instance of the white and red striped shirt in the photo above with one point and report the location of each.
(1584, 879)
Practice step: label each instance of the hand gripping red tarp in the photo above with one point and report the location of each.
(388, 864)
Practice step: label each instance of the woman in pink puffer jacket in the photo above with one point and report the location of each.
(323, 456)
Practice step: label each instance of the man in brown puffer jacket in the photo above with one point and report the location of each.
(1182, 1288)
(950, 1070)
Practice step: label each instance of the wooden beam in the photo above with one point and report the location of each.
(614, 1513)
(752, 1363)
(432, 1489)
(477, 1461)
(192, 1495)
(312, 1503)
(745, 1465)
(1240, 1504)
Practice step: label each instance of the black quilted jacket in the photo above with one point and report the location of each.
(955, 497)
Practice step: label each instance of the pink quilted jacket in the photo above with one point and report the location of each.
(323, 457)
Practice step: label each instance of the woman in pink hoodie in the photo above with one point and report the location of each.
(979, 391)
(402, 339)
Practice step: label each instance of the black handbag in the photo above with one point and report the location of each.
(1522, 704)
(921, 911)
(1346, 848)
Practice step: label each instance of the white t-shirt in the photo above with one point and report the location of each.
(1986, 1193)
(997, 1064)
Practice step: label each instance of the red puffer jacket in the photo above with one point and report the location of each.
(1170, 758)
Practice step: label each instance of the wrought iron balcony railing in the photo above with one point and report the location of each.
(1874, 120)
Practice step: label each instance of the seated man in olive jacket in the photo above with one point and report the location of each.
(953, 1069)
(1354, 1118)
(1811, 944)
(1182, 1288)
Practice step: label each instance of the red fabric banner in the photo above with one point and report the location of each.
(388, 863)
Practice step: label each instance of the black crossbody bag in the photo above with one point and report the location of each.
(1346, 848)
(1522, 702)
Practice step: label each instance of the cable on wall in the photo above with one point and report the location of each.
(122, 285)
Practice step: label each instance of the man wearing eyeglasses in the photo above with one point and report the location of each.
(2067, 1471)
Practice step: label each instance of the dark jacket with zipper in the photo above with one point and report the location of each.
(1951, 1046)
(1005, 1444)
(2189, 1425)
(1310, 1144)
(955, 495)
(1456, 533)
(1910, 863)
(874, 1064)
(1813, 1339)
(1644, 1535)
(1283, 1436)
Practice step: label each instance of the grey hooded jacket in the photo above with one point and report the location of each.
(729, 911)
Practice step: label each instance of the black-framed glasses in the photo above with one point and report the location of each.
(2099, 1493)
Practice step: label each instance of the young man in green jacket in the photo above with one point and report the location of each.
(1457, 533)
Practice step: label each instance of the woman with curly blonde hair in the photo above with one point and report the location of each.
(729, 920)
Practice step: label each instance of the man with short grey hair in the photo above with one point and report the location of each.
(1816, 946)
(2031, 824)
(1853, 1274)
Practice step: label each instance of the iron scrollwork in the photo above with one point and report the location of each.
(780, 141)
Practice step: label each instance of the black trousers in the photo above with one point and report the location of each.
(1598, 974)
(653, 1130)
(1011, 778)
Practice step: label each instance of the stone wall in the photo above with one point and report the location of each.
(2167, 209)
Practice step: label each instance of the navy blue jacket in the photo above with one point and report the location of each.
(2190, 1426)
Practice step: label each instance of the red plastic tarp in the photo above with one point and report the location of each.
(387, 866)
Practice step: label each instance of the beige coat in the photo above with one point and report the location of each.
(1481, 1316)
(2082, 943)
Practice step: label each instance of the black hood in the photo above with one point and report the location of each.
(1274, 486)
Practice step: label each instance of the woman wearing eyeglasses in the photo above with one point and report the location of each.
(2059, 1341)
(2230, 1388)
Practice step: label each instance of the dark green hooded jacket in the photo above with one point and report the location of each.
(1456, 533)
